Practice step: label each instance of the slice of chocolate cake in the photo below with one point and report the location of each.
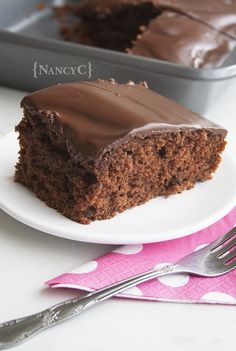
(178, 38)
(93, 149)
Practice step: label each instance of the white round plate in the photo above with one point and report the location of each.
(158, 220)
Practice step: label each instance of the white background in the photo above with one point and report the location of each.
(28, 258)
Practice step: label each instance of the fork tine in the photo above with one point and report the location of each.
(226, 247)
(230, 256)
(231, 266)
(223, 239)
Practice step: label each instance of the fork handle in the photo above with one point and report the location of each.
(20, 330)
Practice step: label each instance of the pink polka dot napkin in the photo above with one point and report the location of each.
(129, 260)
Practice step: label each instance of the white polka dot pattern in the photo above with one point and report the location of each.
(218, 297)
(87, 267)
(127, 260)
(129, 249)
(134, 291)
(173, 280)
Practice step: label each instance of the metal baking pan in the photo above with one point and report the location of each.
(32, 56)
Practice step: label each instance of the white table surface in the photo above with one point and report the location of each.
(29, 257)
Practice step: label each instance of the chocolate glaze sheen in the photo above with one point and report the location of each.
(225, 22)
(97, 116)
(178, 38)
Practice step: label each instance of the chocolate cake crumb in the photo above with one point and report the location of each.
(112, 30)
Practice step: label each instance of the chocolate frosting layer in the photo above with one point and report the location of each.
(97, 116)
(224, 22)
(199, 5)
(178, 38)
(218, 14)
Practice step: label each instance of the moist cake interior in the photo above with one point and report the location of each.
(114, 31)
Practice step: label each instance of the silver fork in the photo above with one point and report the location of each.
(213, 260)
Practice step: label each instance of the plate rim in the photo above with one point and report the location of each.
(99, 237)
